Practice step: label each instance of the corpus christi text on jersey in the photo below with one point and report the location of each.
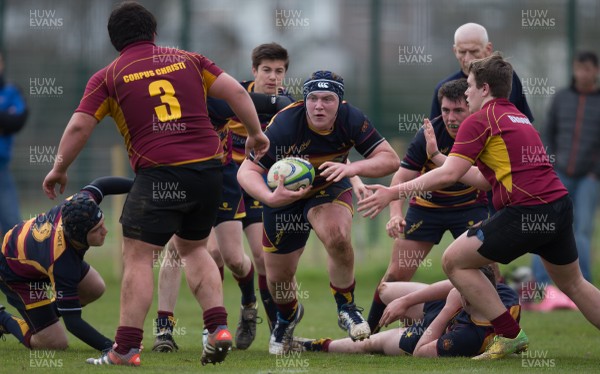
(152, 73)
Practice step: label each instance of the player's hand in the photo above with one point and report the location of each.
(394, 311)
(259, 144)
(374, 204)
(281, 196)
(395, 226)
(431, 146)
(335, 171)
(54, 177)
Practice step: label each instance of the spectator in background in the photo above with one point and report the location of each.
(471, 43)
(573, 139)
(13, 113)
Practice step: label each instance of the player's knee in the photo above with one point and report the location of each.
(448, 264)
(337, 241)
(382, 290)
(235, 264)
(97, 291)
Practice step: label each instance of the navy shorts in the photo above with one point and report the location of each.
(168, 200)
(232, 204)
(32, 298)
(254, 210)
(411, 336)
(286, 229)
(430, 224)
(546, 230)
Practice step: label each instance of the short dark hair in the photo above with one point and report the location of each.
(269, 51)
(130, 22)
(585, 56)
(496, 72)
(453, 90)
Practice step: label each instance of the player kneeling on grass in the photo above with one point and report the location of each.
(44, 276)
(442, 322)
(321, 129)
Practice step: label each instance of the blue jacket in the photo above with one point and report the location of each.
(13, 113)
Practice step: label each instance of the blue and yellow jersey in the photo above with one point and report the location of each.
(467, 337)
(231, 130)
(456, 196)
(37, 250)
(291, 136)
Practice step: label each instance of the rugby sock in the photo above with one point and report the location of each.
(246, 285)
(214, 317)
(222, 272)
(165, 321)
(343, 295)
(506, 326)
(326, 345)
(14, 325)
(267, 300)
(127, 338)
(287, 311)
(376, 311)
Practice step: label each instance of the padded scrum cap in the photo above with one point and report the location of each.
(79, 215)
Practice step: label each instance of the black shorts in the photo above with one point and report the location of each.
(31, 298)
(169, 200)
(546, 230)
(410, 337)
(430, 224)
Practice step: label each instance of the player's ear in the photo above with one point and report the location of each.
(489, 48)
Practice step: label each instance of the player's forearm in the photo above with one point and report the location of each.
(76, 135)
(427, 345)
(401, 176)
(434, 180)
(244, 109)
(435, 291)
(252, 181)
(85, 332)
(473, 177)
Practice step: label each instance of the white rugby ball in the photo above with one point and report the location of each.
(298, 173)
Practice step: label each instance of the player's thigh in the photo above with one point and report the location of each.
(463, 254)
(91, 286)
(53, 337)
(331, 222)
(229, 236)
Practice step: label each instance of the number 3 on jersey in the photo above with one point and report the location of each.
(165, 90)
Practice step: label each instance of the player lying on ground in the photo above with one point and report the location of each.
(44, 276)
(442, 322)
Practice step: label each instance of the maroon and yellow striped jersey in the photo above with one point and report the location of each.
(508, 151)
(157, 97)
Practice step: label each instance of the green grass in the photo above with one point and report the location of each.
(566, 340)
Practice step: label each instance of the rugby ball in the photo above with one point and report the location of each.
(298, 173)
